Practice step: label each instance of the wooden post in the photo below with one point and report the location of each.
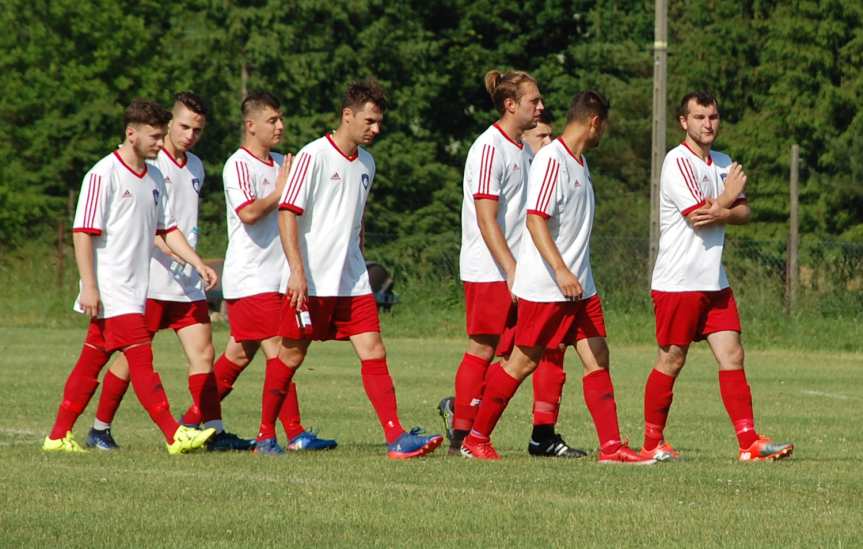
(657, 154)
(61, 239)
(792, 264)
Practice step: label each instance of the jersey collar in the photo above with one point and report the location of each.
(174, 160)
(577, 159)
(507, 137)
(709, 158)
(128, 167)
(268, 161)
(336, 147)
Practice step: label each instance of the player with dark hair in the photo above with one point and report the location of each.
(327, 287)
(701, 191)
(557, 299)
(540, 135)
(122, 206)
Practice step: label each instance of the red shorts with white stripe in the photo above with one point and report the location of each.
(117, 332)
(176, 315)
(333, 317)
(684, 317)
(489, 308)
(255, 317)
(549, 325)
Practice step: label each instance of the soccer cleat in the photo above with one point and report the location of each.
(308, 441)
(413, 444)
(101, 439)
(662, 452)
(475, 449)
(764, 449)
(268, 447)
(65, 444)
(625, 454)
(446, 409)
(554, 447)
(226, 442)
(188, 440)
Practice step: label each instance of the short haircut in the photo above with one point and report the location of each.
(701, 97)
(141, 111)
(546, 118)
(364, 91)
(191, 101)
(258, 100)
(505, 85)
(587, 104)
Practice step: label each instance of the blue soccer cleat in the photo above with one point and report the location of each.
(268, 447)
(413, 444)
(308, 441)
(101, 439)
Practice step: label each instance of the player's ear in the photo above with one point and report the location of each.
(510, 104)
(347, 114)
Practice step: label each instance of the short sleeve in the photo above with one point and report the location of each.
(542, 186)
(300, 180)
(485, 167)
(239, 186)
(680, 185)
(92, 211)
(165, 220)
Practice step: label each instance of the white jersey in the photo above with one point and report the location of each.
(328, 192)
(560, 190)
(123, 210)
(170, 280)
(689, 259)
(254, 260)
(496, 169)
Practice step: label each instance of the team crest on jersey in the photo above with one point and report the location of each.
(723, 176)
(156, 196)
(366, 180)
(196, 185)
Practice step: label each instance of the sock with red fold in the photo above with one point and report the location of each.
(290, 413)
(205, 396)
(382, 394)
(276, 381)
(737, 398)
(469, 380)
(80, 386)
(226, 373)
(548, 380)
(599, 397)
(113, 391)
(658, 394)
(148, 388)
(499, 389)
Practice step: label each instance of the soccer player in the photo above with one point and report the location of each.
(701, 191)
(328, 295)
(557, 299)
(540, 135)
(175, 296)
(122, 206)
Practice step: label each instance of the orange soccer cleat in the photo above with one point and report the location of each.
(764, 449)
(662, 452)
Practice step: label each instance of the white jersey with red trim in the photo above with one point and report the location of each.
(122, 210)
(254, 260)
(171, 280)
(560, 190)
(327, 190)
(496, 169)
(689, 259)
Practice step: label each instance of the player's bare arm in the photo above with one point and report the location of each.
(492, 235)
(566, 280)
(160, 243)
(89, 299)
(297, 285)
(256, 210)
(177, 243)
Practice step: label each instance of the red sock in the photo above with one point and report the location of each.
(113, 390)
(290, 413)
(737, 398)
(79, 389)
(469, 379)
(205, 396)
(276, 381)
(148, 388)
(658, 394)
(499, 388)
(226, 373)
(599, 397)
(548, 380)
(379, 388)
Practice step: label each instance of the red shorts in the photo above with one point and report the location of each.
(684, 317)
(255, 317)
(176, 315)
(489, 308)
(117, 332)
(333, 317)
(549, 325)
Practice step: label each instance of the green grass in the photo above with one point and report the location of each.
(354, 496)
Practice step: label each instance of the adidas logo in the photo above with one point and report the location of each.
(127, 194)
(516, 167)
(336, 177)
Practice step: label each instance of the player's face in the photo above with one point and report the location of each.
(529, 107)
(147, 140)
(701, 124)
(266, 125)
(365, 124)
(537, 137)
(185, 128)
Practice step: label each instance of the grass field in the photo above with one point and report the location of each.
(354, 496)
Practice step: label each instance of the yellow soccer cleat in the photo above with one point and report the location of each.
(188, 440)
(65, 444)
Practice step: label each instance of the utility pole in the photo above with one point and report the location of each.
(792, 265)
(657, 153)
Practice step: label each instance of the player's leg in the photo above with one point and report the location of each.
(115, 383)
(658, 396)
(548, 381)
(284, 356)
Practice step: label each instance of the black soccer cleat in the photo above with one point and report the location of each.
(554, 447)
(227, 442)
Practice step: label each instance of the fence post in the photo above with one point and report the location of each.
(61, 239)
(792, 262)
(657, 153)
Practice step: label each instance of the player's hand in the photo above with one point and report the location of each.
(568, 284)
(735, 181)
(208, 275)
(709, 214)
(282, 177)
(89, 301)
(298, 289)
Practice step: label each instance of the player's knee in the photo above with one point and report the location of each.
(733, 358)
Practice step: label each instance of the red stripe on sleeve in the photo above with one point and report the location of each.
(490, 168)
(297, 181)
(87, 230)
(481, 186)
(291, 208)
(163, 232)
(481, 196)
(687, 179)
(688, 164)
(539, 213)
(548, 184)
(243, 205)
(691, 209)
